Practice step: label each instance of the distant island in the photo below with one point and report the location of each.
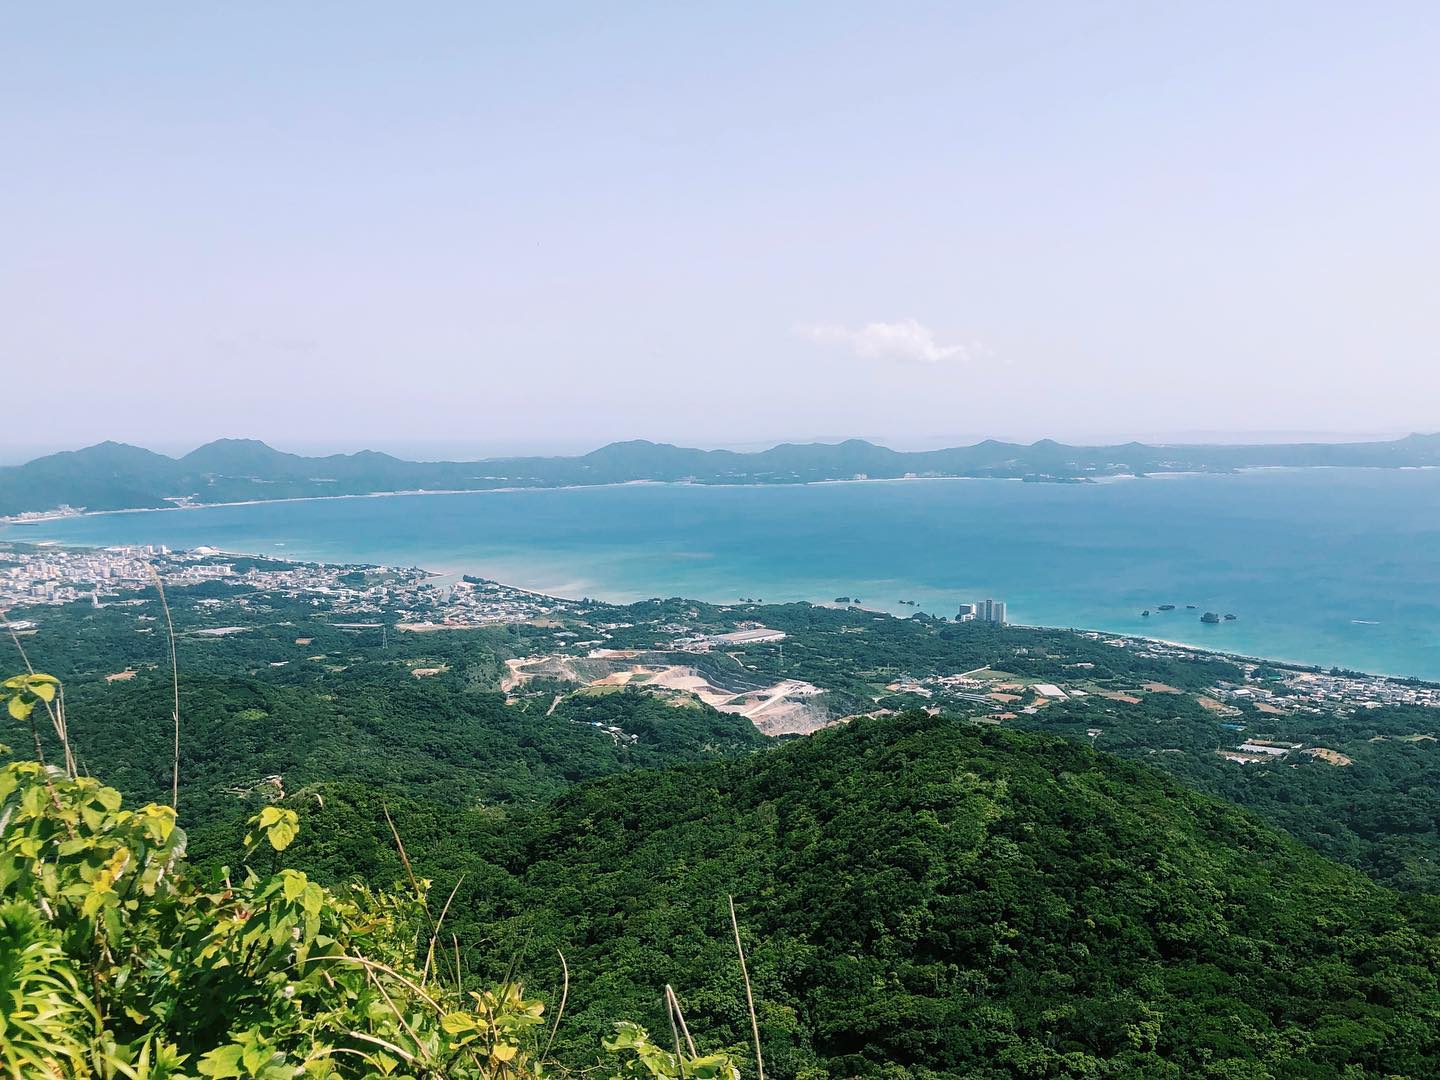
(116, 476)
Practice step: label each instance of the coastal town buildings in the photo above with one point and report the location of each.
(36, 576)
(986, 611)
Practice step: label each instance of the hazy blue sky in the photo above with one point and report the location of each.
(544, 226)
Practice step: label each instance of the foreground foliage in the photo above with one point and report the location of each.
(116, 961)
(920, 898)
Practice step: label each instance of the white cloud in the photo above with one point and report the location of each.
(906, 341)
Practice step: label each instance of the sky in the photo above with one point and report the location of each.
(494, 228)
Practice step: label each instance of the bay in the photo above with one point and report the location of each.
(1326, 566)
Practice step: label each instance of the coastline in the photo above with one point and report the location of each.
(1195, 650)
(783, 551)
(41, 517)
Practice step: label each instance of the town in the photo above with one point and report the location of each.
(47, 575)
(414, 600)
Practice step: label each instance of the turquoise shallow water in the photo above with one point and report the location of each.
(1321, 566)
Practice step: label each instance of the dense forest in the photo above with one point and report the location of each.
(933, 896)
(119, 960)
(919, 897)
(345, 706)
(920, 893)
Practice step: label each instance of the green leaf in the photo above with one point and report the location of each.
(294, 885)
(32, 802)
(281, 835)
(313, 898)
(223, 1061)
(256, 1056)
(456, 1022)
(159, 821)
(281, 826)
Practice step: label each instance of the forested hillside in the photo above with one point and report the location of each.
(921, 897)
(343, 706)
(922, 893)
(346, 705)
(111, 475)
(119, 961)
(928, 896)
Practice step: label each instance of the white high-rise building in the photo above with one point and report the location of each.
(990, 611)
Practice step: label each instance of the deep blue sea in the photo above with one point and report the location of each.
(1328, 566)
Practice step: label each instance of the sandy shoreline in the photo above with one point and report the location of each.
(57, 516)
(1198, 650)
(571, 590)
(48, 516)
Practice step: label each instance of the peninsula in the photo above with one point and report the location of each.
(117, 476)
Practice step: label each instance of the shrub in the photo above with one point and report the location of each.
(116, 960)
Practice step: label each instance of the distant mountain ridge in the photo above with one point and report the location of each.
(117, 476)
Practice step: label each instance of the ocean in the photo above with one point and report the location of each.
(1325, 566)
